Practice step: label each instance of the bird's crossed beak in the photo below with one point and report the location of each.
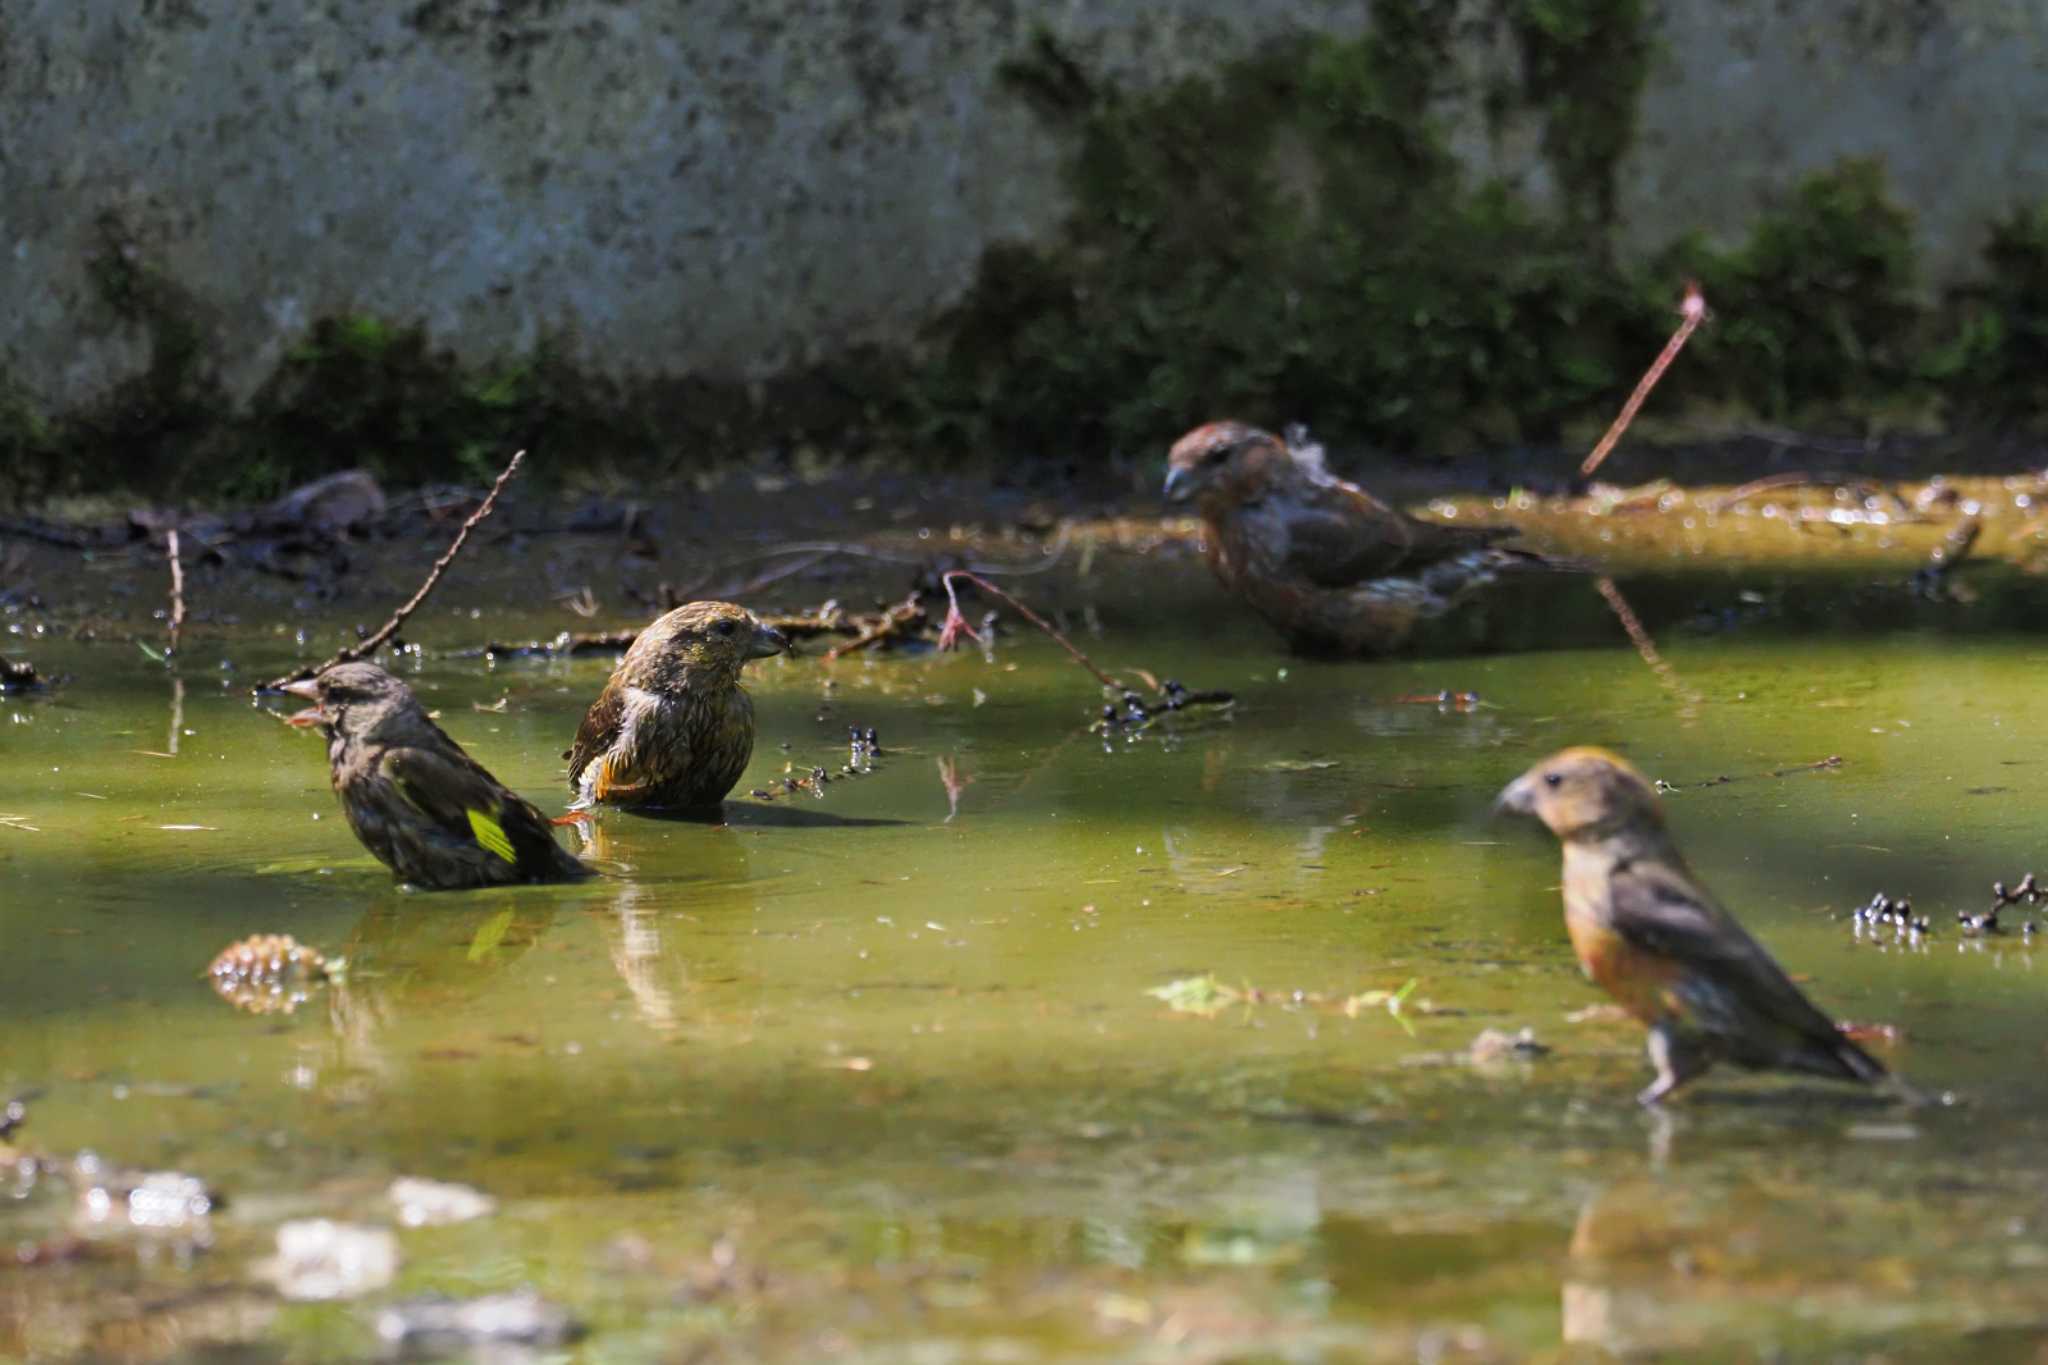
(312, 715)
(1516, 798)
(767, 641)
(1180, 484)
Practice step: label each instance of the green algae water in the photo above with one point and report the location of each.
(1037, 1042)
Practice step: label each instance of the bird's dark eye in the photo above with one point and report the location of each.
(723, 627)
(1553, 779)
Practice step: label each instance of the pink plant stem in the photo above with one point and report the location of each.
(1692, 311)
(956, 623)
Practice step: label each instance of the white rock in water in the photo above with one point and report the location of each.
(112, 1200)
(320, 1259)
(522, 1316)
(429, 1203)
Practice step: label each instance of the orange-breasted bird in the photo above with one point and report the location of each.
(673, 728)
(1652, 937)
(429, 811)
(1327, 564)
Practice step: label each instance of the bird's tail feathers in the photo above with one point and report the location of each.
(1512, 560)
(1860, 1065)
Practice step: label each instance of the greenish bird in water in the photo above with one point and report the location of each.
(673, 729)
(429, 811)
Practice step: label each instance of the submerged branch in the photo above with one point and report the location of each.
(1689, 700)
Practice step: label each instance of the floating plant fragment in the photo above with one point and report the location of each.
(270, 973)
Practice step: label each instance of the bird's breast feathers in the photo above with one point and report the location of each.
(1644, 984)
(673, 747)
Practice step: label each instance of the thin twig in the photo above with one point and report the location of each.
(1828, 764)
(398, 618)
(1770, 483)
(1693, 310)
(177, 589)
(956, 624)
(1049, 559)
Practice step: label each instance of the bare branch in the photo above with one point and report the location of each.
(398, 618)
(1694, 309)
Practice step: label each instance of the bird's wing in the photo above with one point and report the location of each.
(470, 807)
(1339, 535)
(623, 751)
(599, 729)
(1729, 983)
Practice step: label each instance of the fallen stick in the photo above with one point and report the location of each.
(177, 589)
(1693, 310)
(399, 617)
(904, 613)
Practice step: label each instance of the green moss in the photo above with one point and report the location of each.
(384, 394)
(1289, 237)
(1584, 63)
(171, 408)
(1817, 308)
(1991, 360)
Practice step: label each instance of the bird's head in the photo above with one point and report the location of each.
(352, 699)
(1220, 459)
(707, 638)
(1583, 793)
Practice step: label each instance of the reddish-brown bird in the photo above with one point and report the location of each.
(673, 728)
(1652, 937)
(1327, 564)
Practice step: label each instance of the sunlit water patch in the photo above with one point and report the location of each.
(900, 1067)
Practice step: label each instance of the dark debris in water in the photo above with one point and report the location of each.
(1882, 914)
(2027, 892)
(1132, 712)
(1892, 920)
(863, 748)
(20, 677)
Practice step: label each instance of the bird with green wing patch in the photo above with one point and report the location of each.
(426, 809)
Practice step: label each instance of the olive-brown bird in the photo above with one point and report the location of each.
(673, 728)
(1330, 566)
(428, 810)
(1652, 937)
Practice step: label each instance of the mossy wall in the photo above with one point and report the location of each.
(247, 246)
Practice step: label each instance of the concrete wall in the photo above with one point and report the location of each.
(733, 188)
